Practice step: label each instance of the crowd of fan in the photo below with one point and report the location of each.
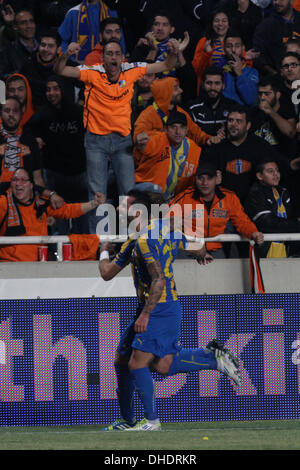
(224, 119)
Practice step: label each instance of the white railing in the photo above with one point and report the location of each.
(59, 240)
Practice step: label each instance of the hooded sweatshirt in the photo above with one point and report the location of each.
(63, 133)
(154, 117)
(29, 108)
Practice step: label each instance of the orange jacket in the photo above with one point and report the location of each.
(29, 108)
(203, 59)
(95, 56)
(296, 5)
(225, 206)
(34, 227)
(155, 161)
(150, 121)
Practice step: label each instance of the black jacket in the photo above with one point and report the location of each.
(261, 206)
(37, 74)
(13, 58)
(62, 131)
(208, 118)
(269, 37)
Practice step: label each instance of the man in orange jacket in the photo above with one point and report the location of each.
(167, 93)
(219, 206)
(24, 213)
(168, 160)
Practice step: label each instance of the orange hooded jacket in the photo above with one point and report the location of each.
(225, 206)
(29, 109)
(95, 56)
(150, 121)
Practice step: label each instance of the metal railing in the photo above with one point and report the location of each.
(59, 240)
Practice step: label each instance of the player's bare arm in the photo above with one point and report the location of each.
(108, 269)
(156, 289)
(61, 67)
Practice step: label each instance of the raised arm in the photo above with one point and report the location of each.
(61, 67)
(108, 269)
(169, 62)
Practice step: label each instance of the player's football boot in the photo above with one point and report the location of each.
(228, 363)
(145, 425)
(119, 425)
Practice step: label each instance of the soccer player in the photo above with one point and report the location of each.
(151, 340)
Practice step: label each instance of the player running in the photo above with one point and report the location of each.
(151, 340)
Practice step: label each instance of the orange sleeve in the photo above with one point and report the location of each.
(239, 218)
(148, 121)
(3, 207)
(93, 58)
(200, 61)
(67, 211)
(195, 132)
(296, 5)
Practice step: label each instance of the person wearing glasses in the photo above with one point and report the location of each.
(289, 71)
(24, 212)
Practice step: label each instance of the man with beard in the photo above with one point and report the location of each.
(58, 127)
(240, 80)
(110, 28)
(167, 94)
(210, 109)
(271, 34)
(274, 120)
(38, 70)
(18, 149)
(17, 85)
(237, 155)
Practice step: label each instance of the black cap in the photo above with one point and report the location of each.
(177, 118)
(206, 168)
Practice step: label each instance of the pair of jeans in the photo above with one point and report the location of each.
(100, 151)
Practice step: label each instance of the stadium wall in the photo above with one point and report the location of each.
(60, 325)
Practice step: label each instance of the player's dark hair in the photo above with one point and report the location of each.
(142, 198)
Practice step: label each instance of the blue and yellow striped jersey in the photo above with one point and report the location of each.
(156, 243)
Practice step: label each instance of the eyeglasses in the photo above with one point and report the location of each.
(19, 180)
(293, 65)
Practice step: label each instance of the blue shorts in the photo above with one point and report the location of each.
(163, 332)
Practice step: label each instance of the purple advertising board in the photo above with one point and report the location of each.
(56, 360)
